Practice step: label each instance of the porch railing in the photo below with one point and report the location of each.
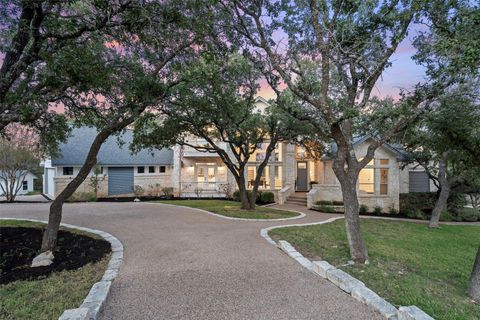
(204, 189)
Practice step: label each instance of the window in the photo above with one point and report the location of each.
(384, 162)
(151, 169)
(67, 171)
(162, 169)
(278, 177)
(25, 185)
(140, 169)
(366, 181)
(383, 181)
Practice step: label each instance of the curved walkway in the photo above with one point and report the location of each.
(181, 263)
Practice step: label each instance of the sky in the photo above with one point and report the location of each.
(403, 74)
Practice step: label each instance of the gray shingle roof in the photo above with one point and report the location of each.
(393, 147)
(75, 150)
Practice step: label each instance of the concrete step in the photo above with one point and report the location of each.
(296, 201)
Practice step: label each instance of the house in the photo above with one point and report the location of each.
(25, 186)
(120, 170)
(290, 172)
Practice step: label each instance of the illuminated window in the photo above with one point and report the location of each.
(366, 181)
(384, 162)
(278, 177)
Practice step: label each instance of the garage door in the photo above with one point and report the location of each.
(120, 180)
(418, 181)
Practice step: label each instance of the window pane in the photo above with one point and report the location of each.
(250, 176)
(383, 181)
(140, 169)
(25, 185)
(278, 177)
(211, 174)
(200, 174)
(162, 169)
(384, 162)
(67, 171)
(366, 181)
(151, 169)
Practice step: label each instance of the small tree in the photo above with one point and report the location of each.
(216, 102)
(432, 143)
(18, 156)
(96, 178)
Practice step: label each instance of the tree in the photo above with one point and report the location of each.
(127, 72)
(433, 144)
(330, 56)
(474, 285)
(96, 178)
(18, 156)
(35, 35)
(216, 102)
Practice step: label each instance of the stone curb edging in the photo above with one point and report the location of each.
(344, 281)
(300, 214)
(94, 302)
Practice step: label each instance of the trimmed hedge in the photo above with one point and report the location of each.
(263, 197)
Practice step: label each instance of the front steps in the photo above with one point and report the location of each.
(298, 198)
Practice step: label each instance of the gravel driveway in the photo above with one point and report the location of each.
(184, 264)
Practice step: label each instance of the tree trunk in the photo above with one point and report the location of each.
(358, 250)
(55, 216)
(242, 189)
(441, 203)
(474, 286)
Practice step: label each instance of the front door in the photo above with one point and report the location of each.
(302, 183)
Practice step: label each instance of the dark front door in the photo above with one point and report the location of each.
(120, 180)
(302, 183)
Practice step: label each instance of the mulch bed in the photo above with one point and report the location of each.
(19, 245)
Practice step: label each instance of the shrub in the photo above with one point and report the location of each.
(267, 197)
(392, 210)
(83, 197)
(138, 191)
(363, 209)
(167, 192)
(416, 214)
(445, 216)
(337, 203)
(313, 182)
(326, 208)
(469, 214)
(377, 210)
(236, 196)
(325, 202)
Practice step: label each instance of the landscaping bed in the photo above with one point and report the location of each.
(232, 209)
(410, 264)
(44, 292)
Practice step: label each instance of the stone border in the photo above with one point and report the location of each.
(300, 214)
(344, 281)
(95, 300)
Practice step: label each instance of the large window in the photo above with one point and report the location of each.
(374, 177)
(25, 185)
(366, 180)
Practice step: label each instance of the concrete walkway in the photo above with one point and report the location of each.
(184, 264)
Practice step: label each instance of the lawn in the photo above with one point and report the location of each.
(409, 263)
(232, 209)
(47, 297)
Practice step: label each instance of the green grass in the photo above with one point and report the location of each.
(232, 209)
(409, 263)
(47, 298)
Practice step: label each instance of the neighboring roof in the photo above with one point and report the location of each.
(18, 174)
(392, 147)
(75, 150)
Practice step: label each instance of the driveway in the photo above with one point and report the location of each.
(184, 264)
